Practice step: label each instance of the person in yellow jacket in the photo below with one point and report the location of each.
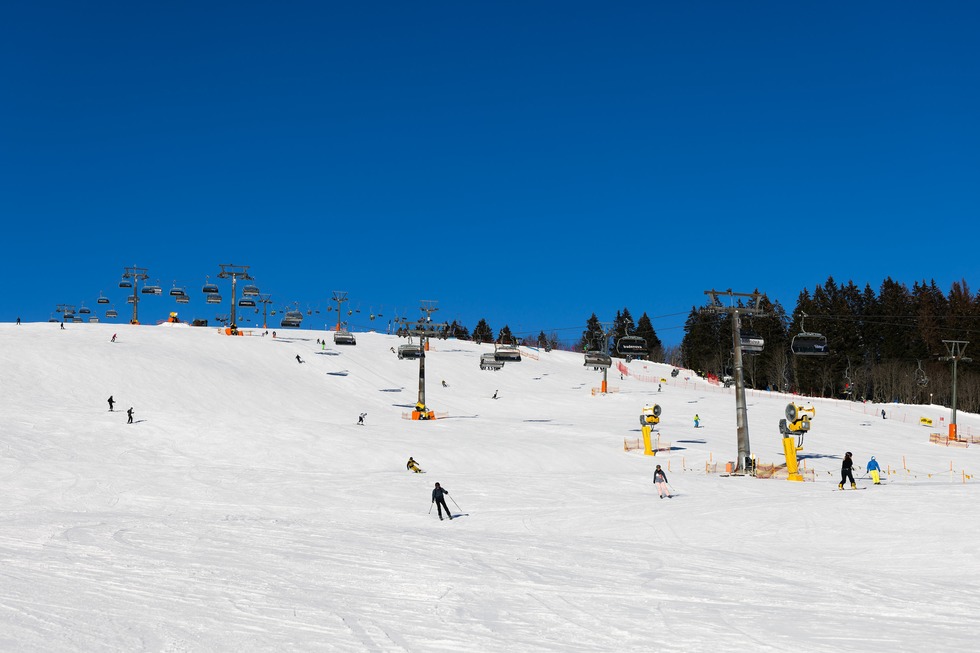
(413, 466)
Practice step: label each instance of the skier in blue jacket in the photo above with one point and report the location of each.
(875, 470)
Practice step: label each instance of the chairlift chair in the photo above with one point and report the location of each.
(102, 299)
(250, 291)
(597, 360)
(246, 302)
(344, 337)
(125, 283)
(177, 292)
(409, 351)
(508, 353)
(809, 344)
(489, 362)
(93, 318)
(752, 343)
(84, 310)
(183, 299)
(213, 298)
(111, 313)
(210, 289)
(630, 347)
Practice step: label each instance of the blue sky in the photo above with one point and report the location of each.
(527, 163)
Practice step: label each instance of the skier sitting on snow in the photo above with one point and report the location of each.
(413, 466)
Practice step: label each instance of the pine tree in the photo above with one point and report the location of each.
(593, 338)
(505, 336)
(482, 332)
(655, 348)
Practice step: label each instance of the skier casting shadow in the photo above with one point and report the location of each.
(413, 466)
(298, 359)
(439, 498)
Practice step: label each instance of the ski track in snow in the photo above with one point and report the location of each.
(246, 511)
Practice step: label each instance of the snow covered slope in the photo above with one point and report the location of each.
(245, 510)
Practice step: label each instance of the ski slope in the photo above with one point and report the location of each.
(245, 510)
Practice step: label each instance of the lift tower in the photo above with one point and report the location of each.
(744, 462)
(265, 299)
(423, 329)
(957, 353)
(233, 272)
(135, 275)
(339, 296)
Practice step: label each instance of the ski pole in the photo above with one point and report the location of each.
(430, 507)
(454, 501)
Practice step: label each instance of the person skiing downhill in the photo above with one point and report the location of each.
(660, 480)
(874, 469)
(113, 339)
(130, 414)
(697, 421)
(111, 401)
(438, 498)
(298, 359)
(413, 466)
(846, 473)
(360, 419)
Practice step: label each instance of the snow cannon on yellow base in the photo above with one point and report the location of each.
(797, 423)
(649, 417)
(423, 413)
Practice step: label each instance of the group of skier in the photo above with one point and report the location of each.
(847, 471)
(129, 413)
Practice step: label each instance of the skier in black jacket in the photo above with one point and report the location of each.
(438, 498)
(845, 471)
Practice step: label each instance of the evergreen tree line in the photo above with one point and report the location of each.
(883, 347)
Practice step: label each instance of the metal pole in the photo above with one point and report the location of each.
(741, 412)
(234, 323)
(136, 299)
(422, 373)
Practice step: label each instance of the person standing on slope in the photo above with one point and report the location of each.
(697, 421)
(111, 401)
(846, 472)
(129, 413)
(438, 498)
(874, 469)
(660, 480)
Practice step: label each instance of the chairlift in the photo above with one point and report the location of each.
(93, 318)
(84, 310)
(509, 353)
(409, 351)
(489, 362)
(111, 313)
(250, 291)
(630, 347)
(213, 298)
(102, 299)
(752, 343)
(921, 379)
(597, 360)
(130, 300)
(344, 337)
(291, 319)
(183, 299)
(152, 290)
(125, 283)
(809, 343)
(177, 292)
(210, 289)
(246, 302)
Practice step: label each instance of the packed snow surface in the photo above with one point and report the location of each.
(245, 509)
